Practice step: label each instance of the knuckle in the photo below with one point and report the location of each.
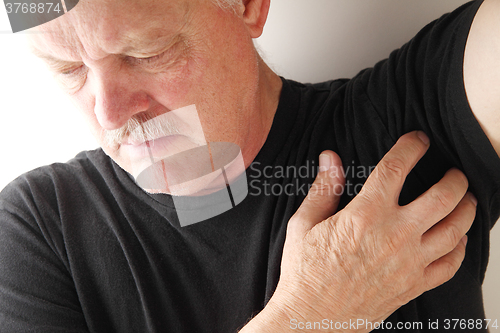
(444, 198)
(453, 236)
(390, 170)
(393, 166)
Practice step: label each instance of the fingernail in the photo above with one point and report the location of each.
(423, 137)
(325, 162)
(473, 199)
(464, 240)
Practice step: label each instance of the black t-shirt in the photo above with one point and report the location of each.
(83, 248)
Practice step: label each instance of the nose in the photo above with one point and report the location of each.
(118, 97)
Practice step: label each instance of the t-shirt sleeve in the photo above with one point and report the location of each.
(37, 293)
(421, 87)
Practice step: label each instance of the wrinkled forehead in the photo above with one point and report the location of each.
(96, 28)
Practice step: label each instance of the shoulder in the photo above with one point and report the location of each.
(51, 183)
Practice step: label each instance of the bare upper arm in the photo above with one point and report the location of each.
(482, 70)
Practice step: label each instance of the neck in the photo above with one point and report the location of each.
(269, 87)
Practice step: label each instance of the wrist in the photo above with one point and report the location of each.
(279, 314)
(271, 319)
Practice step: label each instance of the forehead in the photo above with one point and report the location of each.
(97, 28)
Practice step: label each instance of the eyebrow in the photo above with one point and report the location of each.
(47, 57)
(151, 44)
(54, 64)
(154, 45)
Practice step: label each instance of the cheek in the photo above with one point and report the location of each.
(195, 84)
(179, 87)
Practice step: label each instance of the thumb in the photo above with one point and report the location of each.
(323, 198)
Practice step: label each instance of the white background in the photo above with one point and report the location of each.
(305, 40)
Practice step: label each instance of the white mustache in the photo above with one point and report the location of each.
(141, 128)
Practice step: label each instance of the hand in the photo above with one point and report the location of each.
(373, 256)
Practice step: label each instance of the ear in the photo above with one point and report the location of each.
(255, 15)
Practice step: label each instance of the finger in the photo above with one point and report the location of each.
(437, 202)
(324, 195)
(388, 177)
(444, 268)
(444, 236)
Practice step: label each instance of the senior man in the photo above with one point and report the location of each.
(84, 248)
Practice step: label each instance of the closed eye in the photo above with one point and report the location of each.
(70, 71)
(149, 60)
(166, 59)
(72, 78)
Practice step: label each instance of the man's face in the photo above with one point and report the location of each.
(126, 62)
